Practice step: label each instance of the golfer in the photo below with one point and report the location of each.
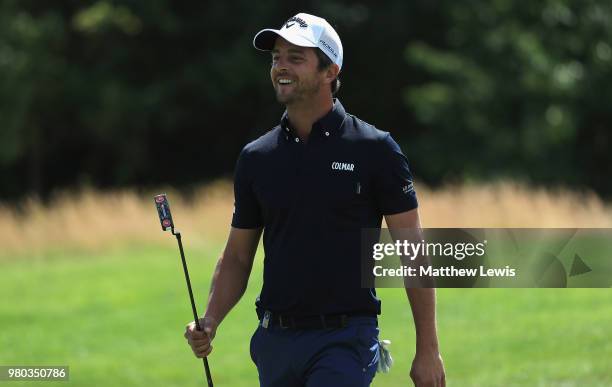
(311, 184)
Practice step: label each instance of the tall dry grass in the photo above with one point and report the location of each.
(507, 204)
(94, 221)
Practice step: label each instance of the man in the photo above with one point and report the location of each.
(311, 185)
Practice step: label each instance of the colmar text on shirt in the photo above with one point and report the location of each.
(342, 166)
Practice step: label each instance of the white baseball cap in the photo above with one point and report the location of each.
(304, 30)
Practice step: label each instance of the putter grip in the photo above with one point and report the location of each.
(163, 210)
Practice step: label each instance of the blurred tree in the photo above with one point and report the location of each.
(113, 93)
(30, 75)
(520, 90)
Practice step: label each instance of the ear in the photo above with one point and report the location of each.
(332, 72)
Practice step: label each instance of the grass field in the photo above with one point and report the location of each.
(115, 312)
(117, 319)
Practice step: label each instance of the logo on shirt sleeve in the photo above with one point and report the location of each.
(408, 188)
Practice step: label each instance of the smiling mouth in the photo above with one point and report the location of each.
(284, 81)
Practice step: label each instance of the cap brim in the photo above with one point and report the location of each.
(264, 40)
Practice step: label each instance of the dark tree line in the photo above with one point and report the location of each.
(126, 93)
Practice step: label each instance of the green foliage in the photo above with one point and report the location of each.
(103, 15)
(141, 93)
(517, 90)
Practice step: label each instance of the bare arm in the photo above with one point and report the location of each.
(228, 285)
(232, 272)
(427, 367)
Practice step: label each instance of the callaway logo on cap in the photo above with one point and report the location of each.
(304, 30)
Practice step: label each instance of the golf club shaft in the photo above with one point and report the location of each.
(193, 307)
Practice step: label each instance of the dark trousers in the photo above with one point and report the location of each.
(343, 357)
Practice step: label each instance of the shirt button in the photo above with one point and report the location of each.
(327, 134)
(286, 137)
(297, 139)
(286, 129)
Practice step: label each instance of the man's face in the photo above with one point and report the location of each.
(294, 72)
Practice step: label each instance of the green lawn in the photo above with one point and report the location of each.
(117, 319)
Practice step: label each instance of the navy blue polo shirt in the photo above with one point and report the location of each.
(313, 199)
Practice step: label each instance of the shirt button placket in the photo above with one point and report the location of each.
(299, 156)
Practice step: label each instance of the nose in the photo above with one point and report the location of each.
(280, 64)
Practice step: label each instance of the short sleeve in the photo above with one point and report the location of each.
(247, 212)
(394, 188)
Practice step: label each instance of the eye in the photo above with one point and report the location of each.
(294, 58)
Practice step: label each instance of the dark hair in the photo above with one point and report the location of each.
(325, 62)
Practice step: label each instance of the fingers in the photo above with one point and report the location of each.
(426, 372)
(431, 382)
(202, 350)
(425, 380)
(199, 341)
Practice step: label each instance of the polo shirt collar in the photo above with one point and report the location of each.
(331, 122)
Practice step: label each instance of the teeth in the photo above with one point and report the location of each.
(283, 81)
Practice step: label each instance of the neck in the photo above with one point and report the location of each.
(303, 115)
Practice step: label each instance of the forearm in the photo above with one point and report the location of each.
(228, 284)
(423, 304)
(427, 367)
